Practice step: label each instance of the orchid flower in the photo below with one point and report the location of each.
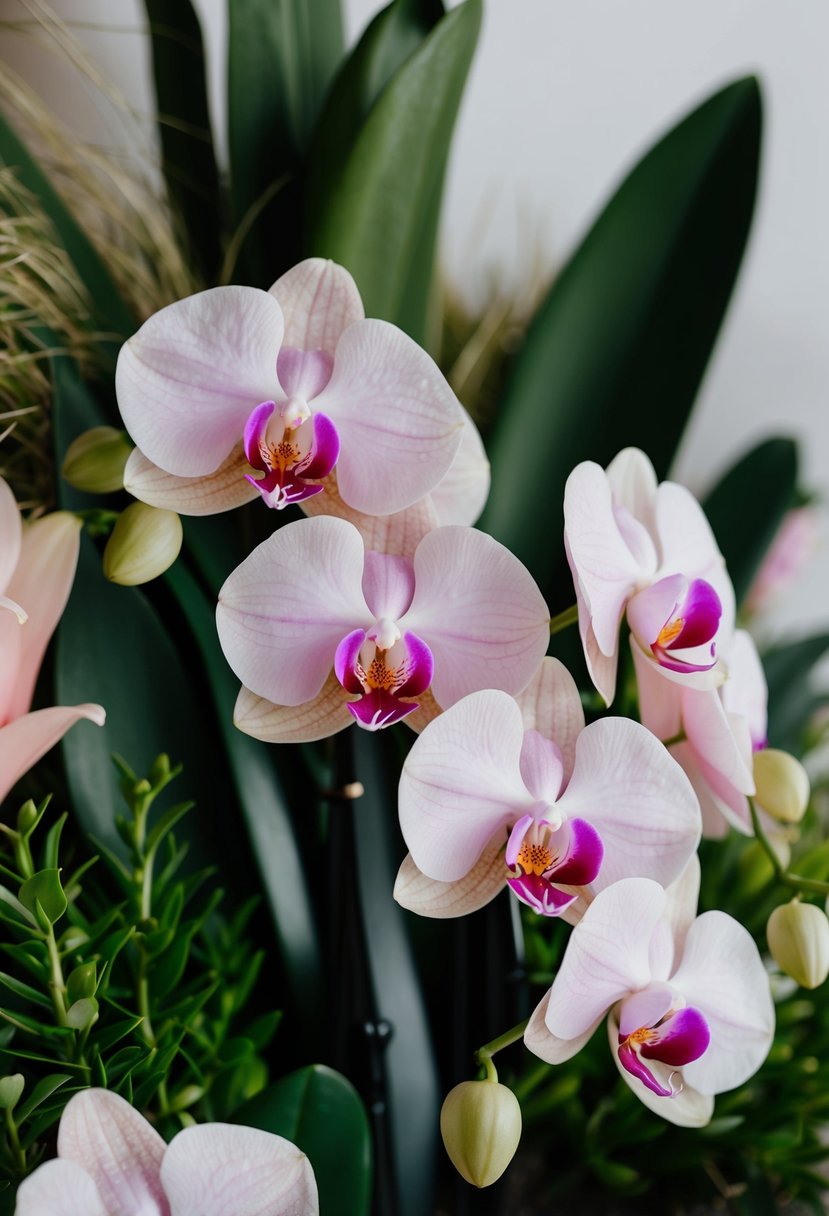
(37, 566)
(236, 392)
(689, 1009)
(112, 1162)
(715, 730)
(647, 551)
(323, 633)
(501, 792)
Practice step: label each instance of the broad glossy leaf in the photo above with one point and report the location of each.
(188, 160)
(320, 1111)
(370, 214)
(617, 350)
(747, 506)
(791, 699)
(44, 888)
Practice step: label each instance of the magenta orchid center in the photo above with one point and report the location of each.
(676, 622)
(287, 442)
(384, 667)
(657, 1025)
(544, 854)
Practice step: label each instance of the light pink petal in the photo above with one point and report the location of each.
(41, 583)
(704, 680)
(118, 1148)
(219, 1168)
(187, 381)
(459, 498)
(607, 957)
(397, 535)
(10, 534)
(633, 482)
(722, 974)
(682, 897)
(719, 748)
(717, 816)
(551, 705)
(461, 785)
(325, 715)
(602, 668)
(26, 739)
(222, 490)
(543, 1043)
(602, 564)
(687, 1108)
(645, 1008)
(282, 613)
(688, 545)
(479, 611)
(303, 373)
(11, 650)
(399, 421)
(660, 700)
(649, 610)
(745, 692)
(59, 1188)
(428, 897)
(638, 798)
(542, 768)
(388, 585)
(319, 300)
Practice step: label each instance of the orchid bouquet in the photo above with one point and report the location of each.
(459, 780)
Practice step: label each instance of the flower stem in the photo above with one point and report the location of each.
(812, 885)
(564, 619)
(56, 982)
(17, 1150)
(679, 737)
(483, 1056)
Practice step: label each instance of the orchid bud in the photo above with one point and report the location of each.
(144, 543)
(798, 937)
(480, 1122)
(95, 461)
(10, 1090)
(782, 785)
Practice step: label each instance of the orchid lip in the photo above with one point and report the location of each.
(676, 1038)
(382, 675)
(545, 856)
(292, 448)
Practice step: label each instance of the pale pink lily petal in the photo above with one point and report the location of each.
(11, 650)
(551, 705)
(187, 381)
(41, 582)
(324, 715)
(59, 1188)
(479, 611)
(10, 535)
(687, 1108)
(722, 974)
(543, 1043)
(633, 482)
(223, 490)
(120, 1151)
(284, 610)
(429, 897)
(460, 496)
(219, 1168)
(397, 535)
(399, 421)
(602, 564)
(460, 784)
(319, 300)
(638, 798)
(606, 957)
(745, 692)
(26, 739)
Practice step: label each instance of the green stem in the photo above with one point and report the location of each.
(57, 985)
(679, 737)
(483, 1056)
(18, 1152)
(811, 885)
(564, 619)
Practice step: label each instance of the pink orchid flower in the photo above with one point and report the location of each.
(502, 792)
(37, 566)
(688, 1004)
(322, 633)
(647, 551)
(722, 728)
(112, 1162)
(236, 392)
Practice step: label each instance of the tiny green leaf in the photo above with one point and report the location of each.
(44, 888)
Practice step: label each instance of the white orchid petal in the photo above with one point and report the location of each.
(219, 1168)
(428, 897)
(325, 715)
(285, 609)
(633, 481)
(319, 300)
(551, 705)
(660, 700)
(222, 490)
(688, 545)
(722, 744)
(397, 535)
(460, 496)
(59, 1188)
(745, 692)
(188, 380)
(546, 1045)
(687, 1108)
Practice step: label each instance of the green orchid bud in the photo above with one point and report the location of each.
(798, 937)
(83, 1013)
(782, 785)
(144, 543)
(82, 982)
(26, 817)
(10, 1090)
(480, 1122)
(95, 461)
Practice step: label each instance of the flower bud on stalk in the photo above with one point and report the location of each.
(144, 543)
(95, 461)
(798, 937)
(782, 785)
(480, 1122)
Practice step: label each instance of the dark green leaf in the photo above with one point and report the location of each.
(618, 349)
(747, 506)
(44, 888)
(188, 159)
(791, 701)
(43, 1090)
(320, 1111)
(24, 990)
(372, 212)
